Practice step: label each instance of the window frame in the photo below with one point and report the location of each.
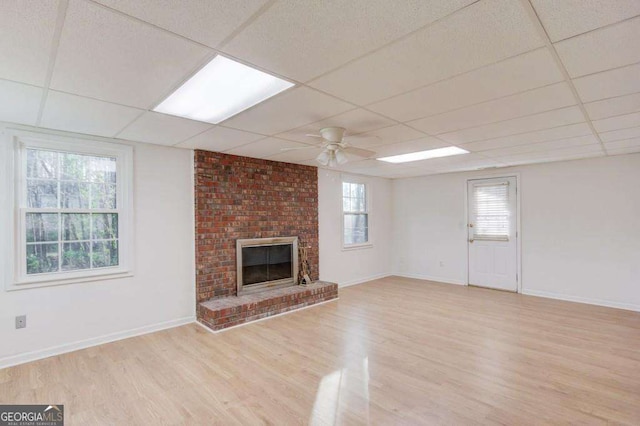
(19, 142)
(367, 191)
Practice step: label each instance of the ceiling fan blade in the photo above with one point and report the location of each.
(295, 148)
(313, 136)
(360, 152)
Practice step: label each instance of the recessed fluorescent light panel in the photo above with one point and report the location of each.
(221, 89)
(425, 155)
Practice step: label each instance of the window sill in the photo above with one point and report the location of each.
(357, 247)
(24, 285)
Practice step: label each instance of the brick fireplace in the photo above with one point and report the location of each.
(246, 198)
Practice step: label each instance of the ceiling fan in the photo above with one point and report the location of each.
(334, 147)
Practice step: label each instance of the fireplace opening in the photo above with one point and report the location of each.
(266, 263)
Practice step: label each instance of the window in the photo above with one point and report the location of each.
(73, 210)
(355, 210)
(491, 204)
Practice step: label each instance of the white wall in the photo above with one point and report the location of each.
(580, 223)
(353, 266)
(160, 294)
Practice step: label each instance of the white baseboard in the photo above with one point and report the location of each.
(430, 278)
(579, 299)
(362, 280)
(83, 344)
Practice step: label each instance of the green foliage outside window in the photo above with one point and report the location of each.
(71, 221)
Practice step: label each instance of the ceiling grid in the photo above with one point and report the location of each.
(511, 82)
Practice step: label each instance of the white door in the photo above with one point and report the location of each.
(492, 238)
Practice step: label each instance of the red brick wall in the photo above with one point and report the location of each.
(241, 197)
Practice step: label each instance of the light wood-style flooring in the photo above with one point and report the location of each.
(391, 351)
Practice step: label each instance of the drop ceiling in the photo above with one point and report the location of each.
(511, 81)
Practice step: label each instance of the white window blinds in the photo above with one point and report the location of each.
(491, 205)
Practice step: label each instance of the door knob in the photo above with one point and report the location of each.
(470, 240)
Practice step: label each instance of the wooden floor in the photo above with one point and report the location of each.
(392, 351)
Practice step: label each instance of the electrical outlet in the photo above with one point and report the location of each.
(21, 321)
(441, 264)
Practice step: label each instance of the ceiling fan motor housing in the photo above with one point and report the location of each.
(333, 134)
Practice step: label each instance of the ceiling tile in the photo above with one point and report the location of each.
(355, 121)
(567, 18)
(614, 106)
(265, 148)
(206, 21)
(530, 123)
(483, 33)
(403, 174)
(407, 147)
(556, 133)
(369, 167)
(19, 103)
(27, 28)
(289, 110)
(125, 61)
(363, 164)
(617, 135)
(397, 173)
(513, 75)
(600, 50)
(571, 153)
(531, 102)
(623, 144)
(220, 139)
(539, 159)
(385, 136)
(609, 84)
(83, 115)
(542, 146)
(162, 129)
(303, 39)
(618, 122)
(623, 151)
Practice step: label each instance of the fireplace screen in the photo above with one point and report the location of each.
(266, 263)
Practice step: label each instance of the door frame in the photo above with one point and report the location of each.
(515, 175)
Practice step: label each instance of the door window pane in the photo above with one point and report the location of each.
(492, 215)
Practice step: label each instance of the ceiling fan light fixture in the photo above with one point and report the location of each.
(425, 155)
(333, 162)
(220, 90)
(340, 157)
(323, 158)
